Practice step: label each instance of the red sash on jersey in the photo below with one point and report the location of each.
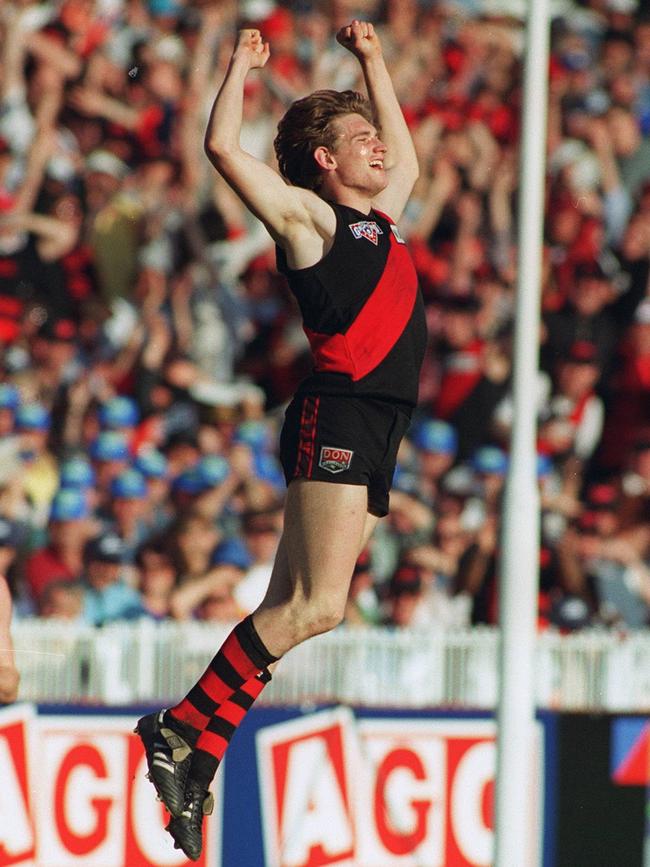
(377, 327)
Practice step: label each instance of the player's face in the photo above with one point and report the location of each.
(360, 154)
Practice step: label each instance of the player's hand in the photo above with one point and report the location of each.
(360, 38)
(251, 45)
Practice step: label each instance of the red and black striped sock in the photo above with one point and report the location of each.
(215, 738)
(241, 657)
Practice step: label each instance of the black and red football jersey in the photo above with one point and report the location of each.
(362, 311)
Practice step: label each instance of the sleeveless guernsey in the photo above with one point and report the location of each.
(362, 311)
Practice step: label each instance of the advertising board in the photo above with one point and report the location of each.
(303, 787)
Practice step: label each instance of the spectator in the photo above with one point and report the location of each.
(152, 464)
(212, 596)
(146, 330)
(437, 444)
(40, 473)
(62, 600)
(107, 597)
(156, 578)
(405, 596)
(363, 604)
(610, 566)
(261, 531)
(192, 538)
(126, 514)
(61, 558)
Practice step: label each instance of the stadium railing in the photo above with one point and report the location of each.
(147, 662)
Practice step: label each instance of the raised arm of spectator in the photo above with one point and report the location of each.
(56, 56)
(477, 562)
(55, 237)
(401, 162)
(47, 111)
(200, 70)
(500, 213)
(486, 152)
(95, 103)
(9, 676)
(13, 54)
(187, 598)
(469, 210)
(616, 199)
(443, 185)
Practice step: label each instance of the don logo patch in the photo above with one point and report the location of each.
(335, 460)
(367, 229)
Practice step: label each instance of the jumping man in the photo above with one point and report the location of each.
(348, 167)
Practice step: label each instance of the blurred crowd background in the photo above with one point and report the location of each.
(149, 346)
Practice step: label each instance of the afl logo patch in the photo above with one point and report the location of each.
(335, 460)
(367, 229)
(396, 234)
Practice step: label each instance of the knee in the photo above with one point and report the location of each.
(319, 618)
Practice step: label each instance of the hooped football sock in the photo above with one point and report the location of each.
(242, 656)
(215, 738)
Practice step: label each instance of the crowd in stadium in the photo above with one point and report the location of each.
(149, 344)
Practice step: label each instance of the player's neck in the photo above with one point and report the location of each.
(348, 196)
(350, 199)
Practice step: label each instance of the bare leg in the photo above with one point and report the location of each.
(326, 526)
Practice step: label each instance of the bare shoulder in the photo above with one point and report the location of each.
(321, 213)
(307, 240)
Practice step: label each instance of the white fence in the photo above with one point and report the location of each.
(149, 663)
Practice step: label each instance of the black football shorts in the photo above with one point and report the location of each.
(345, 440)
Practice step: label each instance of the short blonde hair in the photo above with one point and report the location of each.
(309, 124)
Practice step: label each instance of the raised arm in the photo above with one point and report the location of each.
(290, 213)
(401, 162)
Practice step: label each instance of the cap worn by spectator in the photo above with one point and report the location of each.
(544, 465)
(642, 443)
(129, 485)
(582, 352)
(10, 312)
(119, 412)
(165, 8)
(213, 470)
(108, 548)
(33, 416)
(106, 163)
(407, 483)
(77, 473)
(9, 396)
(591, 271)
(152, 464)
(569, 613)
(59, 330)
(232, 552)
(405, 579)
(110, 446)
(435, 435)
(588, 522)
(602, 497)
(190, 482)
(268, 469)
(69, 504)
(642, 313)
(255, 434)
(9, 534)
(458, 303)
(490, 460)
